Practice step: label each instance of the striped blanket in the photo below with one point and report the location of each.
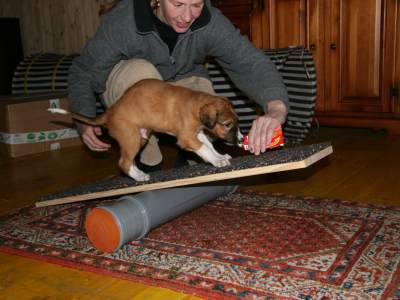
(47, 73)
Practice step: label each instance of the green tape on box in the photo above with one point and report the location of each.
(37, 137)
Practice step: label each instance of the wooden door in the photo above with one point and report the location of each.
(356, 47)
(393, 26)
(283, 23)
(238, 11)
(279, 23)
(359, 61)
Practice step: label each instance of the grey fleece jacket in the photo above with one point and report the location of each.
(128, 32)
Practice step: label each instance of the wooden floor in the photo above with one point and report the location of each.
(364, 167)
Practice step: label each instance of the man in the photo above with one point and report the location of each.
(169, 40)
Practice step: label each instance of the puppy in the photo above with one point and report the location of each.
(155, 105)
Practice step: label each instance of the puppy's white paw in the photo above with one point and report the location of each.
(212, 156)
(226, 156)
(221, 162)
(138, 174)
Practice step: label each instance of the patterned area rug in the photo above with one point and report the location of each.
(247, 245)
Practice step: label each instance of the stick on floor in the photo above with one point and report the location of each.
(249, 165)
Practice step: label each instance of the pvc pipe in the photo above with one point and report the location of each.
(131, 217)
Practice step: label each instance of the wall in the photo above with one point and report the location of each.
(56, 26)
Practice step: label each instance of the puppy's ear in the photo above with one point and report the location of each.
(208, 115)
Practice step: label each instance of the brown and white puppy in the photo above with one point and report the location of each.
(155, 105)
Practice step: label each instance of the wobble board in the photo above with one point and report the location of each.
(248, 165)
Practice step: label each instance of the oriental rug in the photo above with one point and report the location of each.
(248, 245)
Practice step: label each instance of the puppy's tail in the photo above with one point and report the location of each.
(98, 121)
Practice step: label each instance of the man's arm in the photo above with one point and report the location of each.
(89, 71)
(253, 73)
(249, 68)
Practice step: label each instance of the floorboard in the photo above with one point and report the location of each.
(364, 167)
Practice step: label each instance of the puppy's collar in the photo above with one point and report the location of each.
(144, 21)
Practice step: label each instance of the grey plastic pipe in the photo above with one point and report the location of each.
(132, 216)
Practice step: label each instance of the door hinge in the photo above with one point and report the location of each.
(394, 92)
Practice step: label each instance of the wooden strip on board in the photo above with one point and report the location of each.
(249, 165)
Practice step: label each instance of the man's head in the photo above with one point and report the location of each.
(179, 14)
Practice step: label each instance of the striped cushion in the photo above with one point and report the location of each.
(42, 73)
(296, 66)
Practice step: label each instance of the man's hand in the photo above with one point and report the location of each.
(263, 127)
(89, 137)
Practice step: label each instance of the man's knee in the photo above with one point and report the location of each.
(205, 85)
(142, 69)
(196, 83)
(125, 74)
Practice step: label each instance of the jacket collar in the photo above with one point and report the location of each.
(143, 16)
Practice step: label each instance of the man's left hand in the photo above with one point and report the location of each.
(262, 129)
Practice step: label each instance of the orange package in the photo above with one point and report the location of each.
(277, 139)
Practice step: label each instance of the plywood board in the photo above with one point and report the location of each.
(249, 165)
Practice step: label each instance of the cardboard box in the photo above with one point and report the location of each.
(26, 127)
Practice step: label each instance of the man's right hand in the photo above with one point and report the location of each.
(89, 137)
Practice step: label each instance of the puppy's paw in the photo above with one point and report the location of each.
(138, 174)
(212, 156)
(226, 156)
(223, 157)
(221, 162)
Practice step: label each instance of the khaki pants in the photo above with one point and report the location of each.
(128, 72)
